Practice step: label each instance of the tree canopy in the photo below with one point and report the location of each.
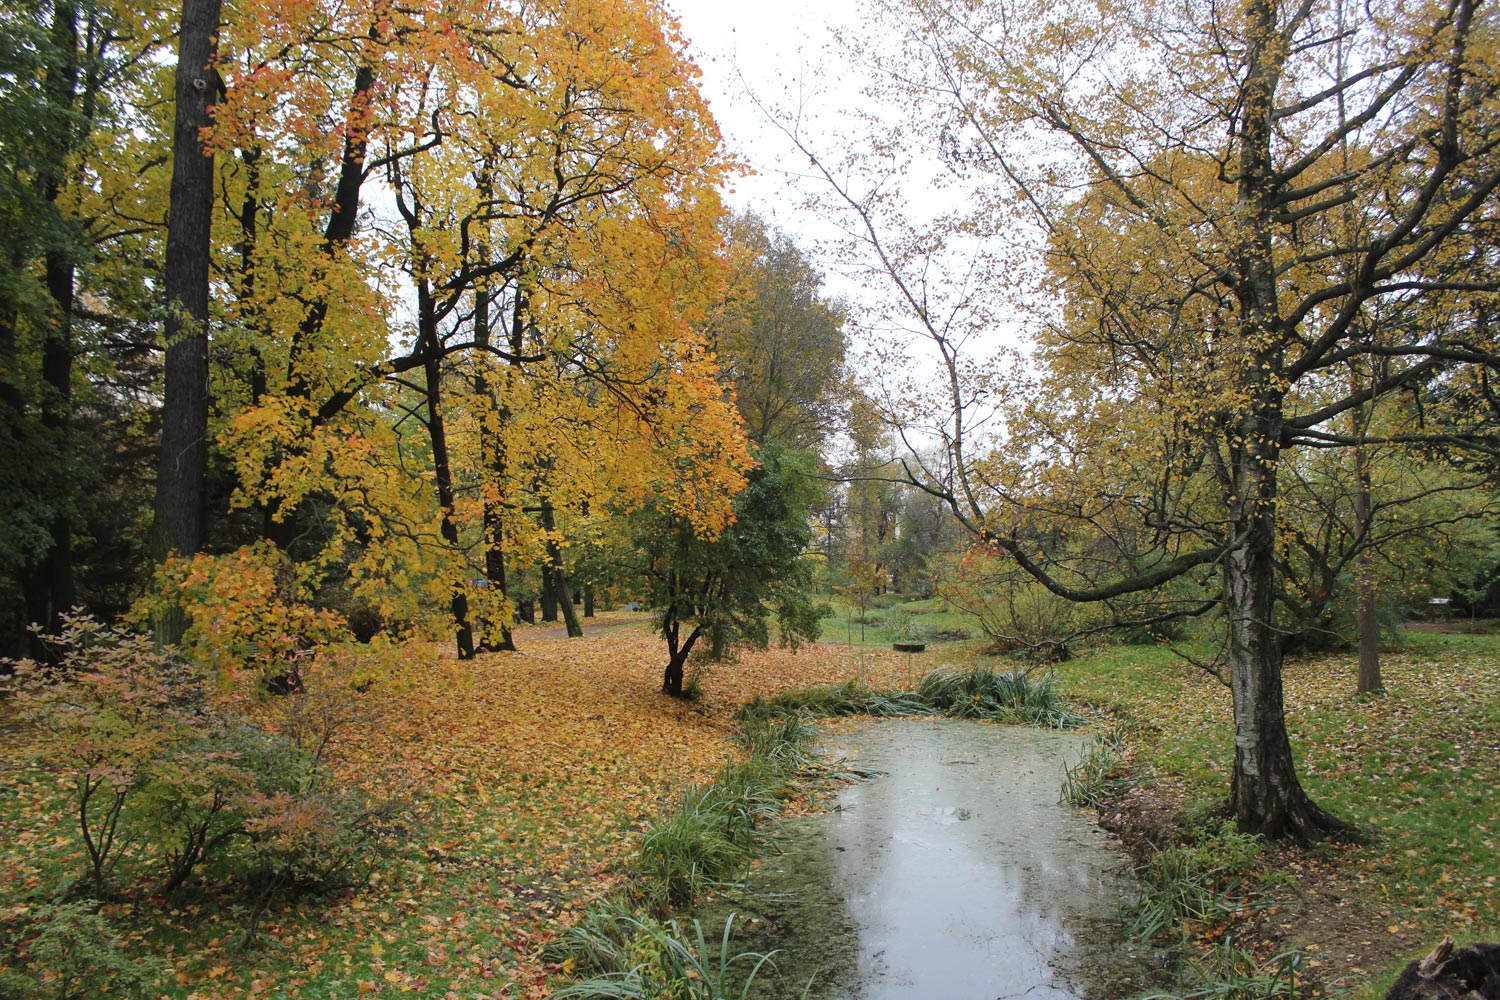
(1242, 227)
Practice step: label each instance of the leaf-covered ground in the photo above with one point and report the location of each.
(530, 773)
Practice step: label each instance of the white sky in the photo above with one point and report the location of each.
(785, 53)
(779, 49)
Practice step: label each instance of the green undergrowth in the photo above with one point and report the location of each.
(1200, 885)
(627, 945)
(1412, 767)
(1231, 972)
(979, 692)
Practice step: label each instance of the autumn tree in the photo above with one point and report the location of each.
(535, 157)
(779, 338)
(1215, 198)
(733, 583)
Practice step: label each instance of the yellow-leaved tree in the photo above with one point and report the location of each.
(1199, 209)
(470, 246)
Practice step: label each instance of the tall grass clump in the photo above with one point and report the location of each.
(1233, 973)
(704, 844)
(645, 959)
(1100, 773)
(985, 693)
(625, 945)
(977, 693)
(1206, 882)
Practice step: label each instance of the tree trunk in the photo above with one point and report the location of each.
(548, 595)
(178, 526)
(492, 452)
(1367, 623)
(494, 572)
(677, 655)
(671, 680)
(588, 602)
(442, 467)
(1265, 795)
(555, 578)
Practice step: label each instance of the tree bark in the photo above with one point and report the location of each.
(442, 466)
(178, 527)
(1367, 623)
(677, 654)
(548, 594)
(1265, 794)
(555, 578)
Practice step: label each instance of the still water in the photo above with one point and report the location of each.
(956, 874)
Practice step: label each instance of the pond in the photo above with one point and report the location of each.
(954, 874)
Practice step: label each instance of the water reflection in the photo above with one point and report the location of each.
(963, 877)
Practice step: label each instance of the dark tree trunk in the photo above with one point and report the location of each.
(178, 524)
(1367, 623)
(494, 571)
(561, 587)
(492, 450)
(548, 595)
(442, 466)
(671, 680)
(1265, 795)
(48, 581)
(588, 602)
(677, 654)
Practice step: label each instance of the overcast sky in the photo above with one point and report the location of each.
(776, 48)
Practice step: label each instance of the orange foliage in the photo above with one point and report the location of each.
(534, 773)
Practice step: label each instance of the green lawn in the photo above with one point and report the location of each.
(1417, 767)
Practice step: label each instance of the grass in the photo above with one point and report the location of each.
(1234, 973)
(637, 958)
(698, 848)
(893, 618)
(1197, 885)
(1101, 772)
(707, 841)
(1414, 767)
(976, 692)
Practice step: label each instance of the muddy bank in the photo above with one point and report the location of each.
(955, 873)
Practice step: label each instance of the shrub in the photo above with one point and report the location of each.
(1017, 614)
(245, 611)
(163, 770)
(111, 710)
(70, 952)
